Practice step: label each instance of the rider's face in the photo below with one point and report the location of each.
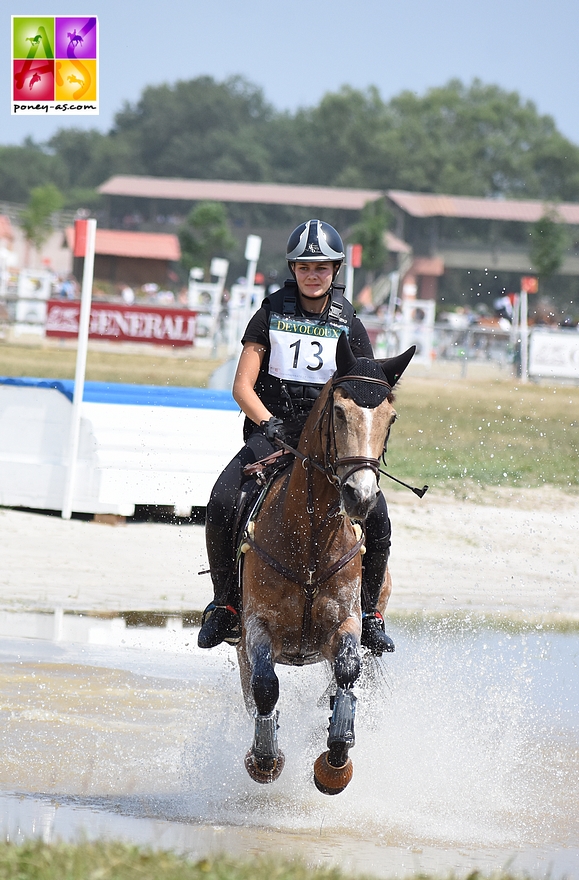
(314, 279)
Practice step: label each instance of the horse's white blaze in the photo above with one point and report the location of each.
(365, 480)
(360, 433)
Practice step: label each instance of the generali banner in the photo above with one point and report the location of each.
(123, 323)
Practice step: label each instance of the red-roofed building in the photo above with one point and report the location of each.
(475, 246)
(134, 258)
(177, 189)
(476, 233)
(457, 242)
(467, 207)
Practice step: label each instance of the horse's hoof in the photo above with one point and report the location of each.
(269, 771)
(332, 780)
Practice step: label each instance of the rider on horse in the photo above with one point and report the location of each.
(289, 350)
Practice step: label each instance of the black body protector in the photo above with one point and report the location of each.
(301, 356)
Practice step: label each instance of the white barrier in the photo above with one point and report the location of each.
(149, 446)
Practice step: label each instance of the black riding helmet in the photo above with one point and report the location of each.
(315, 242)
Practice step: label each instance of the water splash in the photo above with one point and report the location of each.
(453, 747)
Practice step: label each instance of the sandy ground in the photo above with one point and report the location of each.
(509, 553)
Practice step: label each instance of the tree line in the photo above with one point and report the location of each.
(476, 139)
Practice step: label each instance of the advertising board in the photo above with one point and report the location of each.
(117, 322)
(554, 354)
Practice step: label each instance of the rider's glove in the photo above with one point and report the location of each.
(273, 429)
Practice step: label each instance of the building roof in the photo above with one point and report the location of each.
(435, 205)
(239, 191)
(415, 204)
(143, 245)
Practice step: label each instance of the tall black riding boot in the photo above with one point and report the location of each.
(221, 620)
(374, 569)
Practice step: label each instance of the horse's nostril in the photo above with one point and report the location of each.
(358, 499)
(350, 493)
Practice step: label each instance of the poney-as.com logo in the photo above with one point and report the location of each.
(54, 64)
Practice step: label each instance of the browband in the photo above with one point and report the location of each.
(340, 379)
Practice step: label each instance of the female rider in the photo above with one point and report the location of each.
(283, 367)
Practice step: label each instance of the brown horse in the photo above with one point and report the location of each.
(302, 568)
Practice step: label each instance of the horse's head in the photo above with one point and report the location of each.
(361, 414)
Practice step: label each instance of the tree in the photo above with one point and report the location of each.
(479, 140)
(36, 219)
(337, 143)
(91, 157)
(199, 128)
(27, 166)
(549, 241)
(205, 235)
(370, 233)
(476, 139)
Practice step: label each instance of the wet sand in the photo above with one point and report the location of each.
(495, 552)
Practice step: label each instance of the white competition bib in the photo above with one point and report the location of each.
(302, 350)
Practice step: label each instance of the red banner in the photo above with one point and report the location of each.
(115, 321)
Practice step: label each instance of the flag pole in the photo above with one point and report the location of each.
(85, 235)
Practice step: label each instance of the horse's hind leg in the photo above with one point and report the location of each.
(264, 761)
(333, 769)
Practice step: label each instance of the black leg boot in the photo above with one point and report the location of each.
(375, 561)
(221, 621)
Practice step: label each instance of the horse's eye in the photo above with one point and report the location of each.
(339, 414)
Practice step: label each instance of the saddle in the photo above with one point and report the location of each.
(259, 478)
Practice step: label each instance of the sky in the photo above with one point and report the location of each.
(297, 50)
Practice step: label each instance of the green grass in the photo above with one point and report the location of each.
(486, 432)
(35, 860)
(459, 433)
(153, 367)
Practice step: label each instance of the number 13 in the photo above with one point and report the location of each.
(316, 354)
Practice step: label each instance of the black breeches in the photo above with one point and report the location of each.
(220, 515)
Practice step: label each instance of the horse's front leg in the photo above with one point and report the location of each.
(333, 770)
(264, 761)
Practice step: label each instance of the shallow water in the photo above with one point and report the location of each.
(467, 752)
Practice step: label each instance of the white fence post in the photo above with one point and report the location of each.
(82, 349)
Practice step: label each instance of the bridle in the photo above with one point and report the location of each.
(331, 461)
(357, 462)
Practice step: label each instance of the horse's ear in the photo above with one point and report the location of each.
(345, 360)
(394, 367)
